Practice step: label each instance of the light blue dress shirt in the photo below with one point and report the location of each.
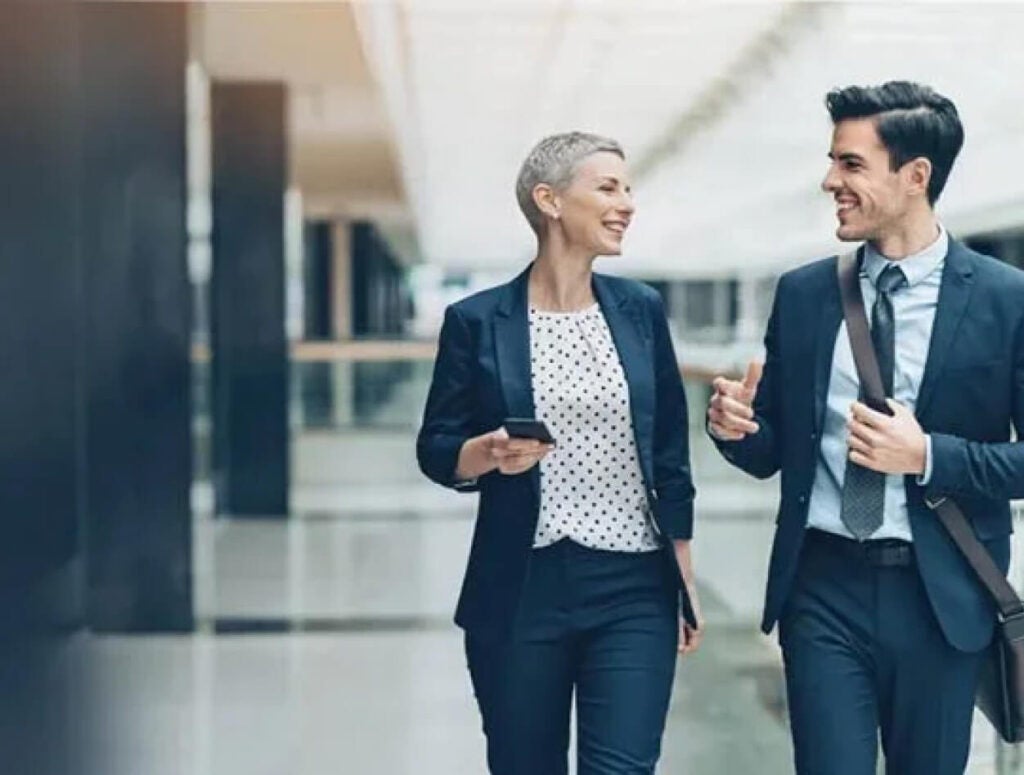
(914, 308)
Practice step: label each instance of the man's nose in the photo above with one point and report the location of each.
(831, 181)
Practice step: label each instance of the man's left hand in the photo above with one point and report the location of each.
(889, 445)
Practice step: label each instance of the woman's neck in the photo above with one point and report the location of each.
(560, 281)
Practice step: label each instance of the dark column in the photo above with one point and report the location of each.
(92, 420)
(135, 321)
(317, 286)
(250, 406)
(378, 294)
(363, 261)
(378, 310)
(39, 294)
(316, 379)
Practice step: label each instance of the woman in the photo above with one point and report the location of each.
(580, 562)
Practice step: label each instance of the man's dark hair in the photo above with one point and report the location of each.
(912, 121)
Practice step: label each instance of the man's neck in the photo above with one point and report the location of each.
(913, 236)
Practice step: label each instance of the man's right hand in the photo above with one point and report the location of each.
(730, 412)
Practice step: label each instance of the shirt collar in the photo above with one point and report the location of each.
(916, 267)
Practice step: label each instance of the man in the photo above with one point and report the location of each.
(883, 626)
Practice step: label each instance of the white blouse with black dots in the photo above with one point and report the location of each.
(591, 490)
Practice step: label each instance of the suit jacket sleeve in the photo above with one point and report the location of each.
(448, 416)
(672, 478)
(984, 469)
(758, 454)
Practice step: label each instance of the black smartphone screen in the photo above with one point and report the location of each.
(528, 428)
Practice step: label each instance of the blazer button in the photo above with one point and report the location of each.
(802, 499)
(814, 436)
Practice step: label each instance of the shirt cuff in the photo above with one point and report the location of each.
(466, 484)
(926, 477)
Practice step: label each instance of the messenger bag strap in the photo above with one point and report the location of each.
(949, 513)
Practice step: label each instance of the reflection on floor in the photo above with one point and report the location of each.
(326, 643)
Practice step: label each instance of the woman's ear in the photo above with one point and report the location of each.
(546, 199)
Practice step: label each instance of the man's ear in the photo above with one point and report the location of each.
(919, 175)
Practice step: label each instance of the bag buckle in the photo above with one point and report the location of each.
(1013, 625)
(934, 503)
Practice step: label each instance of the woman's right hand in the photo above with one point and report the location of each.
(514, 456)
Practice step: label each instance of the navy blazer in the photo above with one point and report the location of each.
(971, 393)
(482, 376)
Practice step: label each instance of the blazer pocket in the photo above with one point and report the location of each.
(981, 364)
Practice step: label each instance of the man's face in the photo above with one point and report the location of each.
(871, 199)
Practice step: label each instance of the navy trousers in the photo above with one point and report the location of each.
(864, 655)
(601, 624)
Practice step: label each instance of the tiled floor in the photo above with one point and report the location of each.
(371, 679)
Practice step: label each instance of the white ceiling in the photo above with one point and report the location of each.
(341, 151)
(719, 107)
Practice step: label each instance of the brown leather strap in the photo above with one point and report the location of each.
(860, 335)
(977, 556)
(948, 511)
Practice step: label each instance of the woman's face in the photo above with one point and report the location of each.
(595, 209)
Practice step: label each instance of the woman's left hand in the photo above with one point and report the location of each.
(689, 636)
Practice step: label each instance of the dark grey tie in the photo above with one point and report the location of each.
(863, 501)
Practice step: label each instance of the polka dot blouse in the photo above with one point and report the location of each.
(591, 490)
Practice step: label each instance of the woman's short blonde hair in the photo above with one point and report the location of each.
(553, 161)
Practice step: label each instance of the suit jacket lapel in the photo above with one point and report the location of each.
(512, 347)
(830, 316)
(954, 295)
(632, 341)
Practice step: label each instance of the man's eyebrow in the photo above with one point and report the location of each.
(848, 156)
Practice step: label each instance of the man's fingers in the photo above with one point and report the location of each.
(731, 423)
(857, 444)
(722, 434)
(863, 433)
(728, 387)
(865, 414)
(731, 406)
(753, 376)
(863, 460)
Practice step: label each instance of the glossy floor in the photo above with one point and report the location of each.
(326, 645)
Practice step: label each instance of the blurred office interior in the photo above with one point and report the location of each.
(229, 233)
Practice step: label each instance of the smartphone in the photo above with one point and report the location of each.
(528, 428)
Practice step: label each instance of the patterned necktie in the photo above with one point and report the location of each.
(863, 499)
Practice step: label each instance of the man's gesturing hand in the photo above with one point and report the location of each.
(730, 412)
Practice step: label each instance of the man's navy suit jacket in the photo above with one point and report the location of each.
(971, 397)
(482, 376)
